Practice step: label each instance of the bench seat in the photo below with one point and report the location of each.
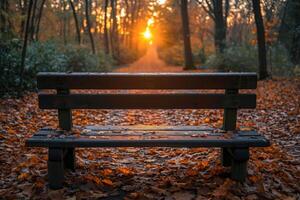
(156, 136)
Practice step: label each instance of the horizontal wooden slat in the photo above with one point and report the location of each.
(147, 80)
(146, 128)
(239, 139)
(146, 101)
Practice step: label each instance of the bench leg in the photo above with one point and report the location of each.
(226, 157)
(69, 158)
(240, 158)
(55, 168)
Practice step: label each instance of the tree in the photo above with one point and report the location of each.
(260, 32)
(106, 41)
(289, 31)
(215, 10)
(188, 56)
(76, 22)
(88, 23)
(5, 23)
(114, 30)
(24, 48)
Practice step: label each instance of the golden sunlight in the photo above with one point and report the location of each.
(148, 34)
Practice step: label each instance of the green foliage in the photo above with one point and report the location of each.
(172, 55)
(44, 56)
(10, 51)
(244, 59)
(128, 55)
(235, 58)
(82, 60)
(279, 61)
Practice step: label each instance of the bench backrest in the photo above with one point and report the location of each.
(64, 101)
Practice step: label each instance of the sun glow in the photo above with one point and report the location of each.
(148, 34)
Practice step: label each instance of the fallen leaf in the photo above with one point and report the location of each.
(107, 182)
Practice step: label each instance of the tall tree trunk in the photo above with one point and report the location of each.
(24, 48)
(188, 56)
(262, 55)
(4, 19)
(289, 34)
(220, 26)
(87, 15)
(23, 6)
(32, 20)
(76, 22)
(295, 48)
(132, 22)
(106, 39)
(64, 23)
(39, 19)
(114, 35)
(111, 42)
(215, 10)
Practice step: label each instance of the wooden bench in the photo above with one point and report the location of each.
(184, 94)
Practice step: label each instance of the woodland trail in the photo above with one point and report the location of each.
(150, 62)
(156, 173)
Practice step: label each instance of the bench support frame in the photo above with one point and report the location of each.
(68, 154)
(236, 158)
(55, 168)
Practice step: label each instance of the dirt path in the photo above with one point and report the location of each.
(150, 62)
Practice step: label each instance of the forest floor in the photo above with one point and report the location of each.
(156, 173)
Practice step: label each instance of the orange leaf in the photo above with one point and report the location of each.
(106, 172)
(94, 179)
(11, 131)
(192, 172)
(23, 176)
(207, 120)
(107, 182)
(124, 171)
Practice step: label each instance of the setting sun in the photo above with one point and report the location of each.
(148, 34)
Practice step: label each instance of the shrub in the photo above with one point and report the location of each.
(10, 59)
(172, 55)
(279, 61)
(128, 55)
(245, 58)
(44, 56)
(235, 58)
(82, 60)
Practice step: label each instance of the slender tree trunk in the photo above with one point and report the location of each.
(64, 24)
(32, 20)
(23, 13)
(4, 18)
(114, 31)
(111, 42)
(220, 27)
(106, 39)
(132, 22)
(87, 15)
(295, 47)
(24, 48)
(39, 19)
(76, 22)
(283, 27)
(262, 55)
(188, 56)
